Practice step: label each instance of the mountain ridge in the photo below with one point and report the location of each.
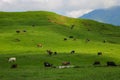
(109, 15)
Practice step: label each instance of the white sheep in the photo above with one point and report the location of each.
(12, 59)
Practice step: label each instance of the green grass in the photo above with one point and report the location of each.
(50, 30)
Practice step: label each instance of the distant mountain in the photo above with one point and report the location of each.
(110, 15)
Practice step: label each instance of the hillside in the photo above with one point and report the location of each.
(27, 36)
(48, 28)
(110, 15)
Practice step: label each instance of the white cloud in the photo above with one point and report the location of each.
(77, 13)
(73, 8)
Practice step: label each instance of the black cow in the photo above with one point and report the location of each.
(17, 31)
(70, 36)
(96, 63)
(47, 64)
(55, 53)
(104, 41)
(99, 53)
(111, 63)
(65, 39)
(14, 66)
(24, 31)
(72, 52)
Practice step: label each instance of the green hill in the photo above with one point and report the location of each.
(21, 32)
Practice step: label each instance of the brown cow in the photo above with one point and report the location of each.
(49, 52)
(65, 63)
(39, 45)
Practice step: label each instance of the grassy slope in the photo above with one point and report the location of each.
(50, 30)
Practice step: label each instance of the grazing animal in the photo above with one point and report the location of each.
(87, 40)
(72, 52)
(49, 52)
(17, 31)
(96, 63)
(39, 45)
(17, 40)
(12, 59)
(72, 26)
(33, 25)
(104, 41)
(111, 63)
(70, 36)
(55, 53)
(65, 39)
(66, 63)
(24, 31)
(99, 53)
(13, 66)
(47, 64)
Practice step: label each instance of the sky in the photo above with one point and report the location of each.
(71, 8)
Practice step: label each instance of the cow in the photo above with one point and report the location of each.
(55, 53)
(49, 52)
(71, 37)
(104, 41)
(111, 63)
(99, 53)
(47, 64)
(33, 25)
(72, 52)
(72, 26)
(96, 63)
(65, 63)
(17, 40)
(39, 45)
(24, 31)
(18, 31)
(13, 66)
(65, 39)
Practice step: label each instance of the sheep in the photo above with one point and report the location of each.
(12, 59)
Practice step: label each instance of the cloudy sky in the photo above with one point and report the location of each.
(72, 8)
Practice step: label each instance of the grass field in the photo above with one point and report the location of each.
(50, 29)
